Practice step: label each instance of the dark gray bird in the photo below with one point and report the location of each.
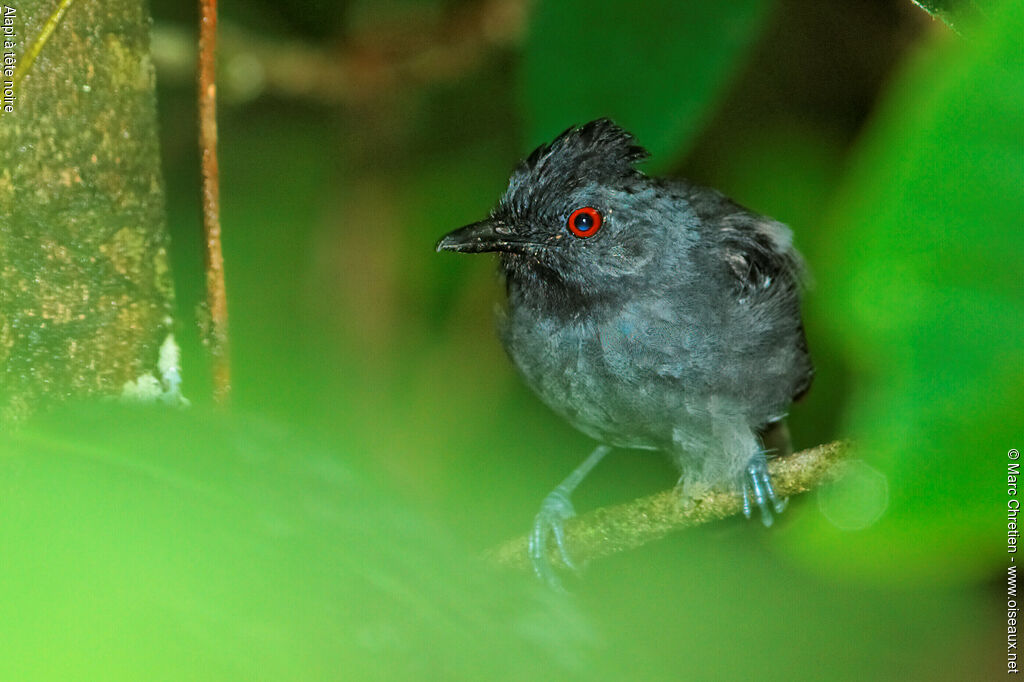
(650, 313)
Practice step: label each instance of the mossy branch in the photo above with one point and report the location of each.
(610, 530)
(85, 285)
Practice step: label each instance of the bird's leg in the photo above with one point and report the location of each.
(555, 510)
(757, 483)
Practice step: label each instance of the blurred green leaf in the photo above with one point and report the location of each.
(928, 303)
(954, 12)
(657, 68)
(141, 544)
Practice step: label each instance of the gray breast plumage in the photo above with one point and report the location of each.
(640, 373)
(616, 379)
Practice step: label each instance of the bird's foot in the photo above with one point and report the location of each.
(555, 510)
(756, 483)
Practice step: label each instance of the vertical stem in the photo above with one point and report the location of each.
(216, 293)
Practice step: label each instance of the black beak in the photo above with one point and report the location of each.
(486, 235)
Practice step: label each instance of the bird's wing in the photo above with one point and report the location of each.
(757, 250)
(757, 254)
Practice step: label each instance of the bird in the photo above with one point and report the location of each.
(650, 313)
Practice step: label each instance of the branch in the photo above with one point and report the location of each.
(375, 62)
(610, 530)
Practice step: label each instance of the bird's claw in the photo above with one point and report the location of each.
(757, 483)
(555, 510)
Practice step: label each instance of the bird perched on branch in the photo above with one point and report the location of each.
(650, 313)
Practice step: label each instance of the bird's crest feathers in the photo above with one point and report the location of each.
(601, 144)
(597, 152)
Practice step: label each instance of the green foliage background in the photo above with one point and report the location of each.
(329, 533)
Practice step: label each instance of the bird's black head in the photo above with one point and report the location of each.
(577, 218)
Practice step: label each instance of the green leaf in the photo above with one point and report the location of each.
(929, 303)
(657, 68)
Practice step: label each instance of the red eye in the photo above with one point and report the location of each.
(584, 222)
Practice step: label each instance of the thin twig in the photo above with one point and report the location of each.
(216, 292)
(610, 530)
(37, 45)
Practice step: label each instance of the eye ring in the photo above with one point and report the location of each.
(584, 222)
